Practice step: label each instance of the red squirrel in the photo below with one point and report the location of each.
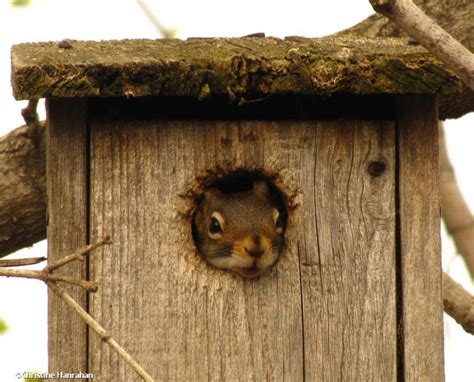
(239, 231)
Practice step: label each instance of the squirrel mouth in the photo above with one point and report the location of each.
(250, 272)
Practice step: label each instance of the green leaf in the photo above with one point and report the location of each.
(3, 326)
(20, 3)
(33, 380)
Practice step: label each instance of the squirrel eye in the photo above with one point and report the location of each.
(216, 226)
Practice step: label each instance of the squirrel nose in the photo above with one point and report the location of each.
(254, 246)
(254, 252)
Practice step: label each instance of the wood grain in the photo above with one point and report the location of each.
(67, 227)
(422, 308)
(325, 311)
(345, 233)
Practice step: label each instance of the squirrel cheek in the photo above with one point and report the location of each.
(222, 262)
(269, 260)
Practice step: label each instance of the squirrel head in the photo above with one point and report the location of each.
(240, 231)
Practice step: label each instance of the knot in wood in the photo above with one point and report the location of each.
(376, 168)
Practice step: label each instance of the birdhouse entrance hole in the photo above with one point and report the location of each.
(243, 181)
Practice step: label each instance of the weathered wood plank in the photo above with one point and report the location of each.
(181, 319)
(345, 235)
(239, 68)
(422, 308)
(186, 321)
(67, 227)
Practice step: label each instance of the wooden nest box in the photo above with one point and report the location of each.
(345, 129)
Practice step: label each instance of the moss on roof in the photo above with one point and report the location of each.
(236, 67)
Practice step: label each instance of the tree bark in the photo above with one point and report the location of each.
(454, 16)
(22, 189)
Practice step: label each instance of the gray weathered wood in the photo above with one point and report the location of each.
(326, 311)
(346, 240)
(421, 293)
(67, 227)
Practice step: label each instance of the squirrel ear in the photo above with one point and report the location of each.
(260, 187)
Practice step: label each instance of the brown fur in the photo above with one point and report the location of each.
(250, 241)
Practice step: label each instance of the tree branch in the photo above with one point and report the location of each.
(30, 115)
(166, 33)
(90, 286)
(455, 211)
(101, 332)
(21, 262)
(78, 255)
(46, 274)
(458, 303)
(454, 16)
(429, 34)
(22, 188)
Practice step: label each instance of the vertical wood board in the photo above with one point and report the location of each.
(325, 312)
(346, 245)
(67, 227)
(421, 293)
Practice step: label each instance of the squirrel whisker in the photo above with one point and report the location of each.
(221, 251)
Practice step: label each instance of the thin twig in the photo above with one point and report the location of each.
(29, 113)
(78, 255)
(90, 286)
(166, 33)
(458, 303)
(103, 334)
(46, 274)
(51, 280)
(426, 32)
(24, 273)
(31, 118)
(21, 262)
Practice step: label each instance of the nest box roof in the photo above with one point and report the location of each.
(247, 68)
